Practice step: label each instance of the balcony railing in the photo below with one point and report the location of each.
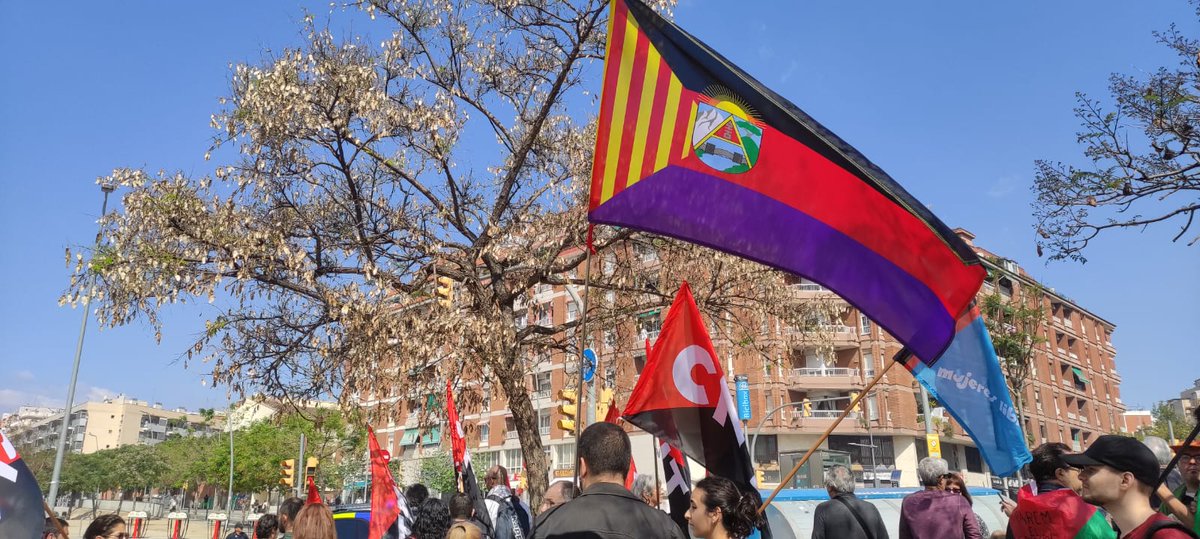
(510, 435)
(827, 414)
(1071, 415)
(825, 372)
(810, 287)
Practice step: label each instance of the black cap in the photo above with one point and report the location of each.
(1121, 453)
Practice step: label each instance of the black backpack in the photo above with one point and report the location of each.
(512, 522)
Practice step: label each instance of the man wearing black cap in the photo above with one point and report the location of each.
(1118, 475)
(237, 533)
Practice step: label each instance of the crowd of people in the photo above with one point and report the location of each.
(1105, 492)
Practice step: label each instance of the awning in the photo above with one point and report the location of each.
(433, 437)
(409, 438)
(1079, 375)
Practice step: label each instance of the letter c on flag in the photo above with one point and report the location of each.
(681, 371)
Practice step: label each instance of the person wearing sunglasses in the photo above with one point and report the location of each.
(955, 485)
(106, 527)
(1189, 470)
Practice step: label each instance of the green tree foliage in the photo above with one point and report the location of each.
(437, 473)
(1015, 318)
(1144, 147)
(1167, 418)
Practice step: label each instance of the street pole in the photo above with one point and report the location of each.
(229, 426)
(299, 486)
(871, 438)
(52, 495)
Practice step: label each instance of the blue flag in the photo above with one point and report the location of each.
(968, 381)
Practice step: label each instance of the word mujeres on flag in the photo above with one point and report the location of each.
(690, 146)
(969, 382)
(21, 511)
(682, 397)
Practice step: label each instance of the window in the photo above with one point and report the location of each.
(512, 459)
(872, 408)
(487, 400)
(610, 377)
(864, 324)
(572, 310)
(541, 385)
(1042, 430)
(974, 461)
(868, 363)
(639, 362)
(564, 457)
(544, 421)
(510, 429)
(485, 434)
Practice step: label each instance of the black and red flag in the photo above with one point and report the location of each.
(388, 505)
(678, 482)
(22, 513)
(682, 397)
(462, 460)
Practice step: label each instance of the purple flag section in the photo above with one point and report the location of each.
(21, 511)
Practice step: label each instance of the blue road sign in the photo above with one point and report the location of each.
(743, 396)
(589, 364)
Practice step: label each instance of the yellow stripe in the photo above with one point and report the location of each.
(687, 140)
(649, 84)
(668, 127)
(616, 123)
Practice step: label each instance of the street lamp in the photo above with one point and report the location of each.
(874, 465)
(52, 496)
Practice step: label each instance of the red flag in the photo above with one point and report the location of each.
(385, 504)
(458, 444)
(314, 495)
(614, 416)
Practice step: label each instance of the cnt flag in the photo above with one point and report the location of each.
(462, 460)
(679, 484)
(968, 381)
(22, 513)
(388, 506)
(690, 146)
(682, 397)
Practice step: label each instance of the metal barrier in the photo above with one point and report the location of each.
(136, 524)
(216, 525)
(177, 524)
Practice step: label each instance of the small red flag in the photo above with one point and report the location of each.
(385, 504)
(458, 444)
(614, 416)
(314, 495)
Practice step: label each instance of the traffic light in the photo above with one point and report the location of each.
(568, 409)
(310, 467)
(806, 405)
(758, 477)
(857, 405)
(287, 472)
(445, 291)
(602, 401)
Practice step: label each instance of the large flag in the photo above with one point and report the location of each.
(22, 513)
(614, 416)
(1059, 514)
(679, 484)
(462, 461)
(968, 381)
(682, 397)
(690, 146)
(387, 504)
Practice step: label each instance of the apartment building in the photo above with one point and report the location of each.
(109, 424)
(1187, 401)
(1073, 396)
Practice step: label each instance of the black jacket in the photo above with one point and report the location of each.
(833, 520)
(605, 511)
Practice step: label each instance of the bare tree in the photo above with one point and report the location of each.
(1151, 178)
(1015, 317)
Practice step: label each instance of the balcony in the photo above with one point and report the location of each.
(825, 378)
(510, 435)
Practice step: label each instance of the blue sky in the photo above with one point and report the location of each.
(954, 99)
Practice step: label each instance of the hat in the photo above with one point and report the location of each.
(1180, 447)
(1121, 453)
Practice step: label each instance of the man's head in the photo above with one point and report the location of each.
(460, 507)
(496, 475)
(930, 471)
(558, 493)
(604, 454)
(1048, 466)
(416, 494)
(287, 513)
(1115, 469)
(1189, 463)
(839, 481)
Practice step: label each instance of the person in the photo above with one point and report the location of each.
(1051, 507)
(558, 493)
(106, 527)
(605, 508)
(1118, 474)
(1189, 487)
(464, 530)
(510, 516)
(288, 509)
(844, 515)
(720, 510)
(645, 488)
(955, 484)
(934, 513)
(237, 533)
(415, 495)
(433, 521)
(462, 511)
(52, 531)
(314, 521)
(267, 527)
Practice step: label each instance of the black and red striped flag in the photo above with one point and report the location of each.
(22, 513)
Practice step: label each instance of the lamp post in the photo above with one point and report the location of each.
(52, 495)
(763, 421)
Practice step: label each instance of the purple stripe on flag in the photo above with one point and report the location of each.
(699, 208)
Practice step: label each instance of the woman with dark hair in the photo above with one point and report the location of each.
(106, 527)
(719, 510)
(433, 520)
(314, 521)
(954, 483)
(267, 527)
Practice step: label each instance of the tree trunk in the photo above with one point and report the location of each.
(525, 419)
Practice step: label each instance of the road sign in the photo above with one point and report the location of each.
(589, 364)
(934, 443)
(743, 396)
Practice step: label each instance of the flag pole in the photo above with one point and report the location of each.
(861, 394)
(582, 335)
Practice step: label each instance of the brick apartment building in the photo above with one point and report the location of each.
(1073, 397)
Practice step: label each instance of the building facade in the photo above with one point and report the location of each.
(1073, 394)
(1187, 401)
(109, 424)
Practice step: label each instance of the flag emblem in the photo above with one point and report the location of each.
(725, 134)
